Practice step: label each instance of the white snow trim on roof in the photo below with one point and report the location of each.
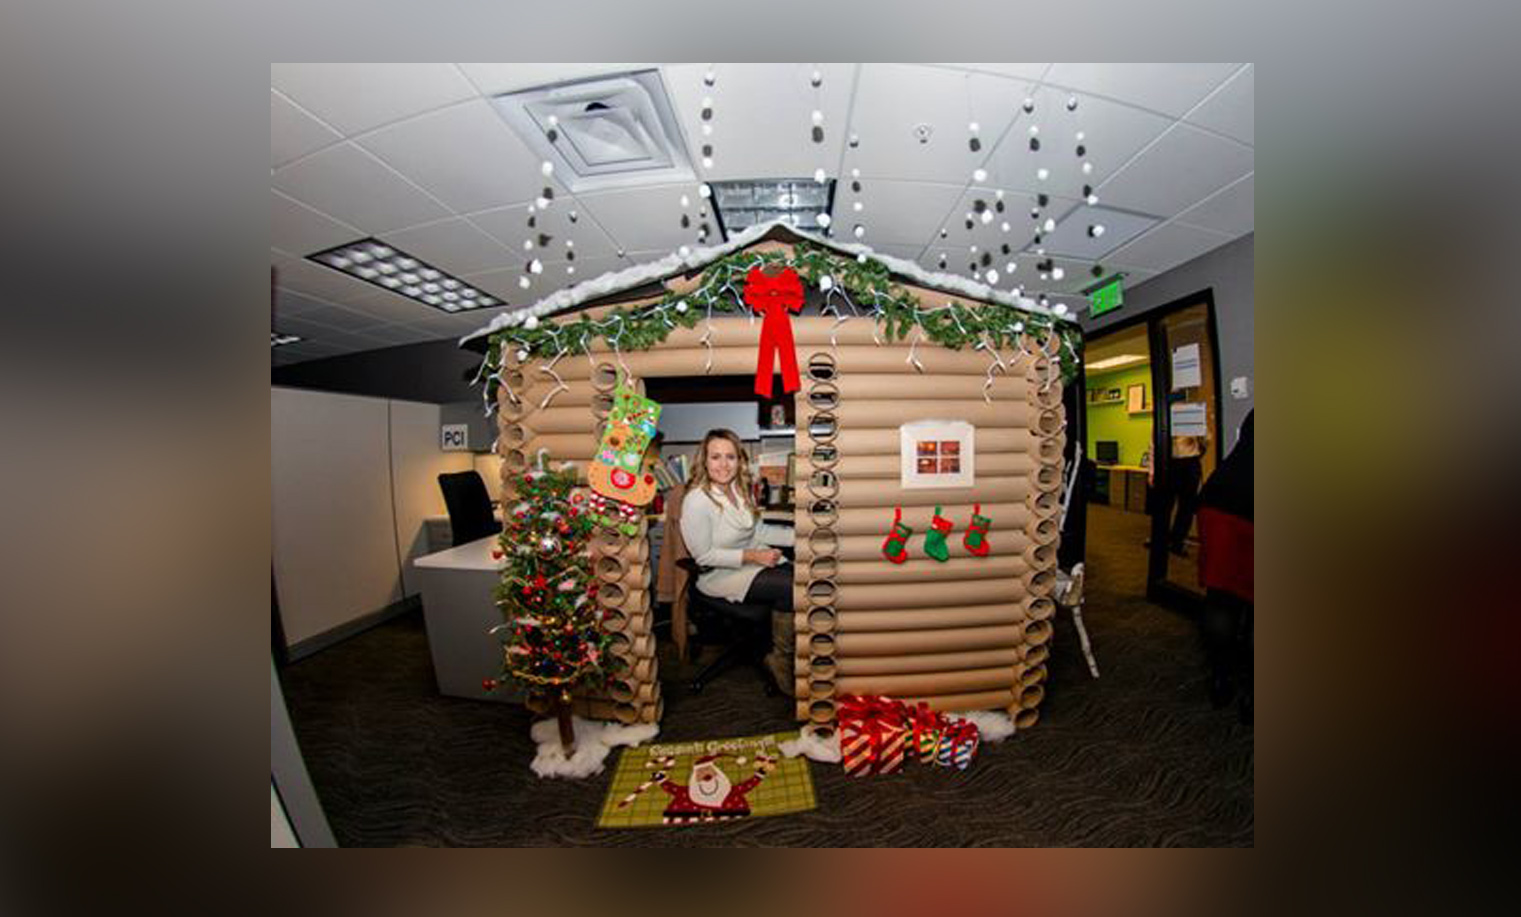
(696, 258)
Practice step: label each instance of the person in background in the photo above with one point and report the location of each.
(1226, 572)
(1182, 491)
(723, 531)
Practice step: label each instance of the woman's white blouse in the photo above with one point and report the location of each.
(717, 534)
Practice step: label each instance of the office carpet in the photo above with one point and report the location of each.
(1137, 757)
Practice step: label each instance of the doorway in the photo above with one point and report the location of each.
(1117, 398)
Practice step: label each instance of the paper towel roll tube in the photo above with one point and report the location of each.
(1039, 556)
(1024, 719)
(821, 619)
(1040, 608)
(940, 618)
(903, 643)
(886, 441)
(890, 467)
(1007, 658)
(1036, 655)
(858, 493)
(963, 682)
(617, 568)
(882, 596)
(821, 711)
(1005, 388)
(1030, 697)
(651, 713)
(604, 377)
(1037, 632)
(820, 689)
(924, 570)
(821, 542)
(822, 666)
(1034, 675)
(847, 548)
(1000, 414)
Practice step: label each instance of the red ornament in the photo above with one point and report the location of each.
(488, 684)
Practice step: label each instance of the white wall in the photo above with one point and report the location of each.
(352, 480)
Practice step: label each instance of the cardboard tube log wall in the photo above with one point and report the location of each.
(846, 548)
(593, 708)
(927, 570)
(1033, 675)
(961, 682)
(979, 700)
(1036, 654)
(907, 642)
(1037, 632)
(624, 690)
(889, 467)
(633, 647)
(1006, 659)
(853, 494)
(938, 618)
(740, 360)
(858, 415)
(634, 547)
(1031, 696)
(853, 442)
(884, 596)
(633, 625)
(815, 332)
(895, 386)
(875, 520)
(1024, 719)
(1040, 608)
(615, 568)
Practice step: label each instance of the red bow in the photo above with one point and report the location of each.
(875, 719)
(772, 297)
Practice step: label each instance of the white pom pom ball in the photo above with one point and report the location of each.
(992, 276)
(987, 217)
(1087, 168)
(542, 203)
(1049, 225)
(823, 220)
(974, 127)
(522, 355)
(859, 230)
(547, 167)
(817, 116)
(980, 175)
(1060, 308)
(704, 191)
(826, 283)
(1042, 173)
(536, 266)
(1004, 226)
(531, 322)
(1092, 200)
(858, 206)
(1058, 273)
(681, 306)
(819, 176)
(524, 282)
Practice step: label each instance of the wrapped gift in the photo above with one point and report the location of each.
(925, 726)
(958, 744)
(873, 734)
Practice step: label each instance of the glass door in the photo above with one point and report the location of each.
(1185, 445)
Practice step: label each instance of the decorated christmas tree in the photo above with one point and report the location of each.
(552, 638)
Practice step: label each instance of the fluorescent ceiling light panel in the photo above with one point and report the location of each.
(390, 268)
(1124, 359)
(276, 339)
(604, 132)
(796, 201)
(1076, 236)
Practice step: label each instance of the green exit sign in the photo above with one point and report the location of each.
(1106, 298)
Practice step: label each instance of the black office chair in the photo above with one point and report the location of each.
(746, 629)
(469, 506)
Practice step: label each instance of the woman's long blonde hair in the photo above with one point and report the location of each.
(740, 487)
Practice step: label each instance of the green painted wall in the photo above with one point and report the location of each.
(1112, 421)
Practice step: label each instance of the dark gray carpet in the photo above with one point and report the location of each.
(1137, 757)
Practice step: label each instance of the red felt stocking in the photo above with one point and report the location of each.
(895, 548)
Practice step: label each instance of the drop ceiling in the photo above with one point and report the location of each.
(417, 156)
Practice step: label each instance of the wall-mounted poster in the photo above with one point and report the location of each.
(937, 453)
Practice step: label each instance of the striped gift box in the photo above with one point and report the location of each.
(958, 744)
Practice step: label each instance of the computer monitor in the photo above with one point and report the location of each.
(1106, 452)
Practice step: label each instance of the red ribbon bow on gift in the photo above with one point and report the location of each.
(772, 297)
(923, 720)
(875, 718)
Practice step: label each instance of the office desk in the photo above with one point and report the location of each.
(458, 610)
(1127, 486)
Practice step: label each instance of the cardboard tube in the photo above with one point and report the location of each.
(847, 548)
(559, 421)
(651, 713)
(801, 708)
(815, 644)
(1049, 422)
(1043, 531)
(604, 376)
(890, 467)
(1039, 556)
(540, 385)
(821, 711)
(617, 595)
(1037, 632)
(865, 386)
(822, 619)
(820, 689)
(1040, 582)
(1033, 675)
(886, 441)
(874, 520)
(1036, 655)
(634, 547)
(855, 494)
(1042, 504)
(626, 689)
(902, 643)
(1024, 719)
(593, 709)
(1006, 658)
(1006, 613)
(977, 700)
(615, 568)
(615, 620)
(820, 591)
(1047, 477)
(819, 567)
(643, 670)
(927, 570)
(1030, 697)
(875, 596)
(626, 713)
(576, 447)
(1047, 396)
(867, 414)
(809, 332)
(1040, 608)
(1049, 449)
(820, 541)
(670, 360)
(929, 682)
(821, 666)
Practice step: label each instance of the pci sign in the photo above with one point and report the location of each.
(1105, 299)
(454, 437)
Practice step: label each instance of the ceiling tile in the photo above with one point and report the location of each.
(891, 99)
(358, 97)
(1026, 72)
(297, 229)
(318, 280)
(295, 304)
(495, 79)
(1166, 247)
(1183, 167)
(1171, 89)
(503, 284)
(353, 186)
(645, 219)
(1231, 210)
(454, 246)
(464, 155)
(293, 133)
(762, 125)
(906, 252)
(990, 236)
(1232, 109)
(1112, 134)
(893, 212)
(554, 227)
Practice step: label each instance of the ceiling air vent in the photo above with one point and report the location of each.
(607, 132)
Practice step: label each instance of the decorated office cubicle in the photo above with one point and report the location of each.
(930, 440)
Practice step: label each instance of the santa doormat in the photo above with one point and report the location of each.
(693, 783)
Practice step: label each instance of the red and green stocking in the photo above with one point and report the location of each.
(895, 548)
(934, 539)
(976, 537)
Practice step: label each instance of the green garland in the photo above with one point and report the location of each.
(866, 282)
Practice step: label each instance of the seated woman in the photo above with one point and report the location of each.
(722, 529)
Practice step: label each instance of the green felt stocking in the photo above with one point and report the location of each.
(934, 539)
